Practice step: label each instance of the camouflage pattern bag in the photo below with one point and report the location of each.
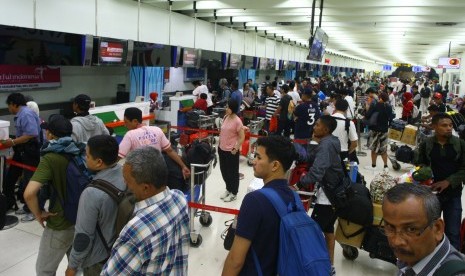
(379, 185)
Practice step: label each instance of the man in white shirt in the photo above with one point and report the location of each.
(200, 88)
(350, 113)
(345, 130)
(294, 94)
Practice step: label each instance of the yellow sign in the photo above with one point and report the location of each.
(398, 64)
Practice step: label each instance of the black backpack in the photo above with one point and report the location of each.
(404, 154)
(200, 152)
(175, 177)
(425, 92)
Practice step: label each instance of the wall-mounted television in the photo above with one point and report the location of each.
(271, 64)
(190, 57)
(263, 64)
(212, 60)
(113, 51)
(291, 65)
(151, 54)
(248, 62)
(318, 44)
(235, 61)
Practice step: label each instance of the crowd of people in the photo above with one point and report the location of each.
(156, 239)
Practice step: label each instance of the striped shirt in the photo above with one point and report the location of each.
(272, 103)
(155, 241)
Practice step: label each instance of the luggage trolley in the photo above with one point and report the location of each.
(255, 128)
(199, 174)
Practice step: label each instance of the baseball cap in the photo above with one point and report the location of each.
(58, 126)
(437, 95)
(82, 101)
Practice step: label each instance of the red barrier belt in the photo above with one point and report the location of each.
(300, 141)
(21, 165)
(213, 208)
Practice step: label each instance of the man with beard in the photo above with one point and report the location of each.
(415, 231)
(445, 154)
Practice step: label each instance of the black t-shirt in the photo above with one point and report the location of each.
(443, 161)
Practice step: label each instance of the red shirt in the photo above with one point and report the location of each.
(201, 104)
(407, 109)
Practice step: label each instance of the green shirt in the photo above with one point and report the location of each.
(52, 170)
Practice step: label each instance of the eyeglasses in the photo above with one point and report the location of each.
(408, 232)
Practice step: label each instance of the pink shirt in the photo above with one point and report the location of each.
(143, 136)
(229, 134)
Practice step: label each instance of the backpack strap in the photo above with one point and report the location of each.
(450, 268)
(278, 202)
(115, 193)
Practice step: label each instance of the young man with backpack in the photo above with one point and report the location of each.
(259, 240)
(55, 161)
(96, 217)
(327, 170)
(345, 131)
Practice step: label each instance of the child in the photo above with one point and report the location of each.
(201, 103)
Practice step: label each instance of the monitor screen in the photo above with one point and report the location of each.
(271, 64)
(190, 57)
(248, 62)
(291, 65)
(112, 51)
(318, 45)
(151, 54)
(263, 64)
(211, 60)
(449, 63)
(235, 61)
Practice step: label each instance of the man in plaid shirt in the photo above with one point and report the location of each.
(156, 240)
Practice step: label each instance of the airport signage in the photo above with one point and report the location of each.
(18, 77)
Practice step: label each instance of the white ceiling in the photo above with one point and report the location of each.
(385, 31)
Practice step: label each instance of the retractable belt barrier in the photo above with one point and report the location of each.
(209, 131)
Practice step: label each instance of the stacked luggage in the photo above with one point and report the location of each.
(352, 236)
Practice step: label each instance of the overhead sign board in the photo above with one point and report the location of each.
(398, 64)
(387, 67)
(449, 63)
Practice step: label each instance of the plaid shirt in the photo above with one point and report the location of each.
(155, 241)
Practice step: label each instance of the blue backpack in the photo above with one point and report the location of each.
(77, 179)
(302, 247)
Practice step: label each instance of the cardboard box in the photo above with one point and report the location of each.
(377, 214)
(395, 134)
(345, 229)
(409, 135)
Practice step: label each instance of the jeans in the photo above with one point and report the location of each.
(452, 214)
(229, 166)
(54, 244)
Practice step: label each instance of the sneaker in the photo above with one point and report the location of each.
(333, 271)
(230, 198)
(20, 212)
(28, 217)
(225, 195)
(369, 167)
(10, 222)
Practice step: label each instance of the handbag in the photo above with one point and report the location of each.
(229, 233)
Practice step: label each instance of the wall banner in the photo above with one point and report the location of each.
(18, 77)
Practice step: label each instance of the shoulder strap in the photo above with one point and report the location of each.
(115, 194)
(278, 202)
(103, 185)
(450, 268)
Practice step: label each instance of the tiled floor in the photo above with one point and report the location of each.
(19, 245)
